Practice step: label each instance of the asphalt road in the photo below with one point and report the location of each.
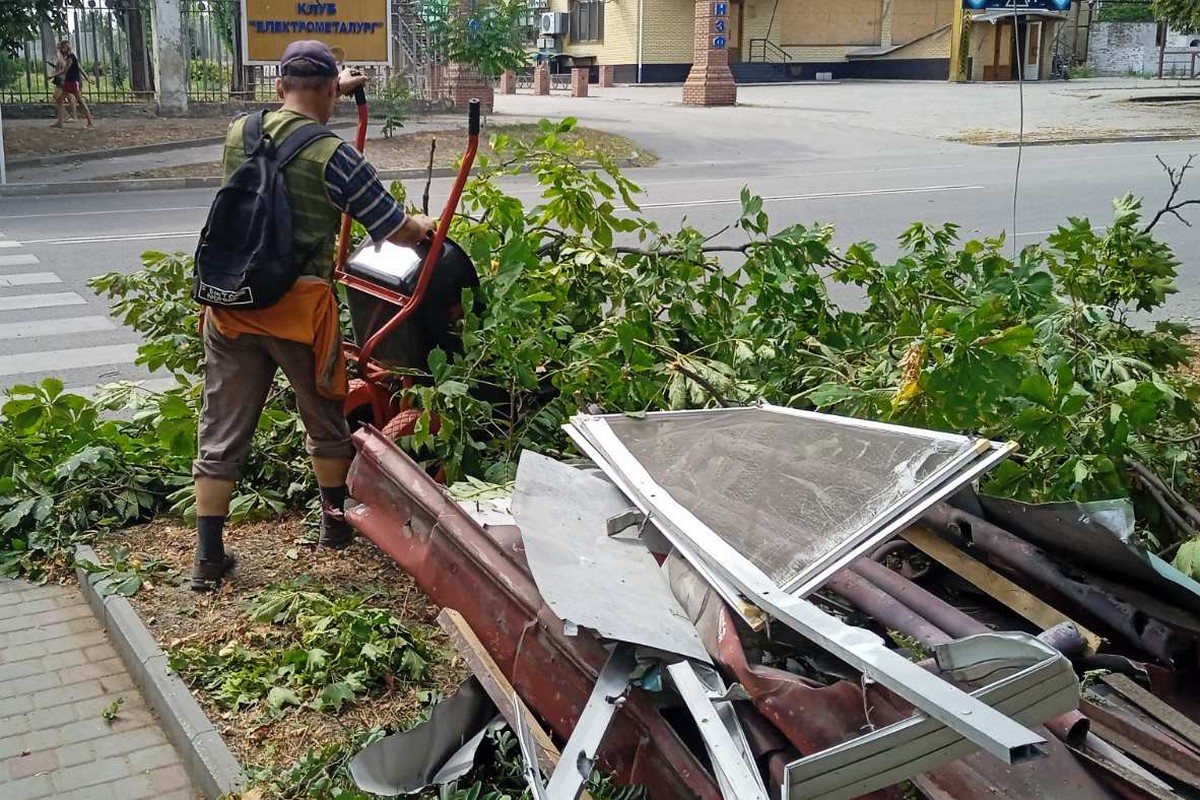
(51, 323)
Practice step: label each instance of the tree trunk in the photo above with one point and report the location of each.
(141, 68)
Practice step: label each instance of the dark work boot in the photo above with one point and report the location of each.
(336, 532)
(208, 575)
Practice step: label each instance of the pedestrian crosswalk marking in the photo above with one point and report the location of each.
(75, 344)
(73, 358)
(23, 302)
(29, 279)
(55, 327)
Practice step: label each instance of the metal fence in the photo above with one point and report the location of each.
(112, 40)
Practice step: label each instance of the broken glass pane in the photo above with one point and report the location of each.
(783, 490)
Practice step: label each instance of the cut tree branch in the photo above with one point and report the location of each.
(704, 383)
(428, 177)
(1171, 208)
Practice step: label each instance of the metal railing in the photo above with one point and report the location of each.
(112, 40)
(211, 50)
(558, 81)
(764, 50)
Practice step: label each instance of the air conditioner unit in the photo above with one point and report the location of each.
(549, 44)
(554, 23)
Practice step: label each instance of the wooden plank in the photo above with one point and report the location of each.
(1164, 713)
(502, 693)
(994, 584)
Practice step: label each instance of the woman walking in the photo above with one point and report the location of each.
(72, 83)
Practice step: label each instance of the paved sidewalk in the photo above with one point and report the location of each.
(57, 674)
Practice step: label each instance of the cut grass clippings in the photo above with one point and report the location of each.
(270, 554)
(411, 151)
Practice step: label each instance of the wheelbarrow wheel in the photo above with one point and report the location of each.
(403, 424)
(357, 406)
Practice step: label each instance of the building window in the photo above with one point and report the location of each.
(587, 20)
(531, 20)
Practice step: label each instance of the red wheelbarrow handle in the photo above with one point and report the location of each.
(439, 239)
(360, 143)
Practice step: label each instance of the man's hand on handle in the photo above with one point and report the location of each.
(416, 229)
(349, 80)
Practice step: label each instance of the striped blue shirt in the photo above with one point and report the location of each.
(355, 188)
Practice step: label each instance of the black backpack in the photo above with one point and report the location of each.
(245, 259)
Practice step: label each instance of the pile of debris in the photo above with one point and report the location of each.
(764, 602)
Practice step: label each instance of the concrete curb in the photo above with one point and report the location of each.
(1156, 137)
(163, 184)
(209, 762)
(153, 184)
(136, 150)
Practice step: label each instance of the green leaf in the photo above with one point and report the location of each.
(1187, 558)
(279, 696)
(333, 697)
(14, 515)
(1010, 341)
(453, 388)
(1038, 389)
(831, 394)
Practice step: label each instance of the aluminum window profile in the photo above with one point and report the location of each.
(972, 460)
(987, 728)
(736, 772)
(741, 606)
(1042, 690)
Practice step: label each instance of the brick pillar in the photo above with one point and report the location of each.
(607, 76)
(541, 79)
(710, 83)
(579, 82)
(463, 83)
(508, 82)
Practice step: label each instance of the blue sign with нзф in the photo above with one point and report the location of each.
(720, 26)
(719, 42)
(1017, 5)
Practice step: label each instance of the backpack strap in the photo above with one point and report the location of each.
(252, 132)
(299, 139)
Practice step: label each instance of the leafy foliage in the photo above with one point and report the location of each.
(124, 573)
(306, 647)
(1180, 15)
(66, 470)
(20, 21)
(1118, 11)
(954, 336)
(490, 36)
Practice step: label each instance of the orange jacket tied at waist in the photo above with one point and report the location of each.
(307, 314)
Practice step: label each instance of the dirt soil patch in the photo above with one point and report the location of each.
(29, 138)
(270, 553)
(988, 136)
(411, 151)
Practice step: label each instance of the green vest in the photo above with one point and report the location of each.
(314, 216)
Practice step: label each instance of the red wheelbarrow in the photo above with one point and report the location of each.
(403, 303)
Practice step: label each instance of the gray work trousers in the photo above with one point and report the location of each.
(238, 372)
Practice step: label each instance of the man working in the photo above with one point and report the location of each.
(299, 334)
